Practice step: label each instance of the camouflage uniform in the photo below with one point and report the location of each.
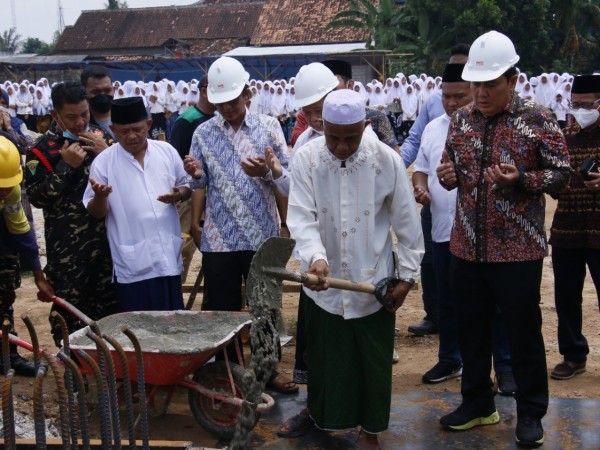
(79, 263)
(10, 280)
(16, 237)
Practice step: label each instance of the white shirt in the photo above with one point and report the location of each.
(443, 202)
(344, 215)
(144, 233)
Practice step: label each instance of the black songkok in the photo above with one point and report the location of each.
(453, 73)
(586, 84)
(125, 111)
(339, 67)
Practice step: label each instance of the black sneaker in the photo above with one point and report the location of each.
(442, 371)
(467, 416)
(506, 384)
(423, 328)
(23, 367)
(529, 432)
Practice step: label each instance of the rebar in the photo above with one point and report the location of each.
(8, 412)
(103, 410)
(68, 377)
(113, 399)
(38, 408)
(143, 416)
(58, 378)
(82, 404)
(5, 346)
(129, 414)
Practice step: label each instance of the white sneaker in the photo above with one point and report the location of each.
(395, 357)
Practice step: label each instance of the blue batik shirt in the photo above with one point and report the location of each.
(240, 212)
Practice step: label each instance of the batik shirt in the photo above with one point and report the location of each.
(494, 224)
(240, 211)
(576, 221)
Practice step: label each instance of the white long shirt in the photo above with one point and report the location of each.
(344, 215)
(144, 234)
(443, 202)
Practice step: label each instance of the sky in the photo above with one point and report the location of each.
(39, 18)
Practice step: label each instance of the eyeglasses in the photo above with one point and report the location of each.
(583, 105)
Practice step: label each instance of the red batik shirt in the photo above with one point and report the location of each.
(495, 224)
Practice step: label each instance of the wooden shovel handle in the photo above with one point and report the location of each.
(309, 278)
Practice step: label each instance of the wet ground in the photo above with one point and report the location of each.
(569, 424)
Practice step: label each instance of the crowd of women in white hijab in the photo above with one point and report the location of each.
(401, 97)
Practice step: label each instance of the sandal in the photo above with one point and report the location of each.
(295, 426)
(283, 385)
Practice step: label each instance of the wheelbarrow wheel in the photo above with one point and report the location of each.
(215, 416)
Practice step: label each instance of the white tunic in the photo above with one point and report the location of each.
(144, 233)
(344, 215)
(443, 202)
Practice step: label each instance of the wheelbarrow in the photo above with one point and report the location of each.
(176, 347)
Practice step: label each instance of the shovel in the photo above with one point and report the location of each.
(267, 271)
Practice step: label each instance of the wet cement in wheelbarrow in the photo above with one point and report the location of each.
(174, 332)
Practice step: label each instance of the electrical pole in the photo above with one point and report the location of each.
(14, 15)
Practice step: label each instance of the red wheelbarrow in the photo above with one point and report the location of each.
(176, 347)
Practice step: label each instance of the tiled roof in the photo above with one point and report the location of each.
(151, 27)
(297, 22)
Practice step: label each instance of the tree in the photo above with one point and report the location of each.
(429, 28)
(10, 41)
(35, 45)
(116, 4)
(377, 21)
(573, 32)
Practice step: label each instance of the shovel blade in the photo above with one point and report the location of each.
(260, 287)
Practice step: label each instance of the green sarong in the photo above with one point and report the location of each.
(350, 369)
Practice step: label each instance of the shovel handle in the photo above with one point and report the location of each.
(336, 283)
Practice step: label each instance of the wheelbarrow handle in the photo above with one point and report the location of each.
(20, 342)
(303, 277)
(71, 309)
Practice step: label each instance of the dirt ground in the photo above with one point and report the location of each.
(417, 354)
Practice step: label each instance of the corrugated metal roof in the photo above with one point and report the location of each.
(296, 49)
(41, 59)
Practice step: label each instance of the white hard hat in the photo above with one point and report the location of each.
(226, 80)
(313, 82)
(490, 56)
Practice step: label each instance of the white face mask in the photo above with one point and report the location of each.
(585, 117)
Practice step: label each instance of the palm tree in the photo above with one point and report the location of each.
(10, 41)
(376, 20)
(575, 24)
(419, 33)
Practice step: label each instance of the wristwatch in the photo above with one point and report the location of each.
(410, 281)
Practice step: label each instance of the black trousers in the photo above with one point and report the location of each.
(223, 275)
(514, 287)
(569, 266)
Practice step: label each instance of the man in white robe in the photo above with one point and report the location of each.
(347, 191)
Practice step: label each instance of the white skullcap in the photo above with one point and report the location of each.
(344, 107)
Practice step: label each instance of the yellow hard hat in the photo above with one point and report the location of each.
(11, 172)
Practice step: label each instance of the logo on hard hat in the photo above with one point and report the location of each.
(220, 86)
(480, 63)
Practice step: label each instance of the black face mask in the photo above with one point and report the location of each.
(101, 103)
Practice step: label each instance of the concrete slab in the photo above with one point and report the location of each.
(414, 424)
